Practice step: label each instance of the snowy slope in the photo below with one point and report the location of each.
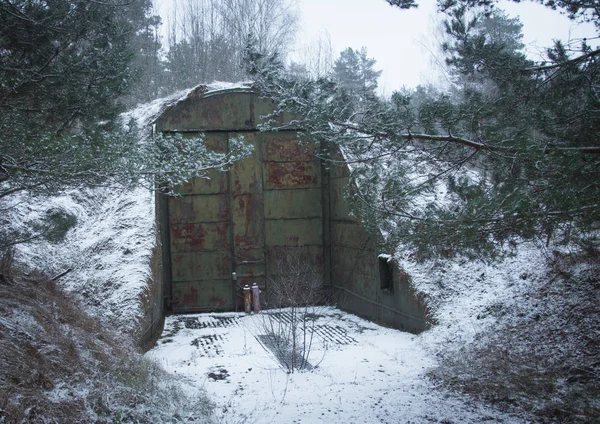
(109, 249)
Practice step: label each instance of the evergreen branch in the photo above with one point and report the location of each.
(574, 61)
(470, 143)
(488, 147)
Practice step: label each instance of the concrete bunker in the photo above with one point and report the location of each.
(281, 202)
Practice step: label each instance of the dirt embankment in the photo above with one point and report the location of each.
(60, 365)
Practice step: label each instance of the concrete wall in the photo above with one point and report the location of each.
(356, 267)
(151, 323)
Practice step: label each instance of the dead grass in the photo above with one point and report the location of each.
(544, 358)
(59, 365)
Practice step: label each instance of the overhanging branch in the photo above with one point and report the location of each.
(477, 145)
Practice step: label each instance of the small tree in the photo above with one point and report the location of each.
(296, 291)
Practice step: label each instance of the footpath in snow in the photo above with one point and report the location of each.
(362, 373)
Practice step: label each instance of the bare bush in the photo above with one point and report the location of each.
(296, 292)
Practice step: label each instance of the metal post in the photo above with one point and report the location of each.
(247, 307)
(256, 298)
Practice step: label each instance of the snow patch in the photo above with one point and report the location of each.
(146, 114)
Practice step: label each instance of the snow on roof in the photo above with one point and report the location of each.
(144, 115)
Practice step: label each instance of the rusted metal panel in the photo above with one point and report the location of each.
(247, 212)
(201, 265)
(300, 203)
(280, 175)
(199, 208)
(214, 141)
(201, 258)
(247, 173)
(340, 209)
(294, 232)
(199, 237)
(206, 295)
(286, 147)
(249, 254)
(279, 258)
(225, 111)
(251, 268)
(213, 182)
(265, 107)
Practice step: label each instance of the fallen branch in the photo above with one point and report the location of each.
(62, 274)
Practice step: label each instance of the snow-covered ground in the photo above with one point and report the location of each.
(363, 373)
(464, 295)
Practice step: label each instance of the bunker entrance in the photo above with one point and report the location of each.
(267, 207)
(279, 206)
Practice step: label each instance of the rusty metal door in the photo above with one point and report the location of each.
(249, 220)
(200, 241)
(247, 217)
(217, 228)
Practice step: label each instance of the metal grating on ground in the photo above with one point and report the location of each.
(213, 321)
(327, 333)
(209, 344)
(335, 334)
(283, 352)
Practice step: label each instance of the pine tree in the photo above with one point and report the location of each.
(65, 68)
(147, 63)
(514, 143)
(353, 71)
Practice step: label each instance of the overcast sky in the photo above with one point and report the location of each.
(403, 41)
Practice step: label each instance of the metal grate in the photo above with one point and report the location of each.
(213, 321)
(334, 334)
(283, 352)
(209, 344)
(327, 333)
